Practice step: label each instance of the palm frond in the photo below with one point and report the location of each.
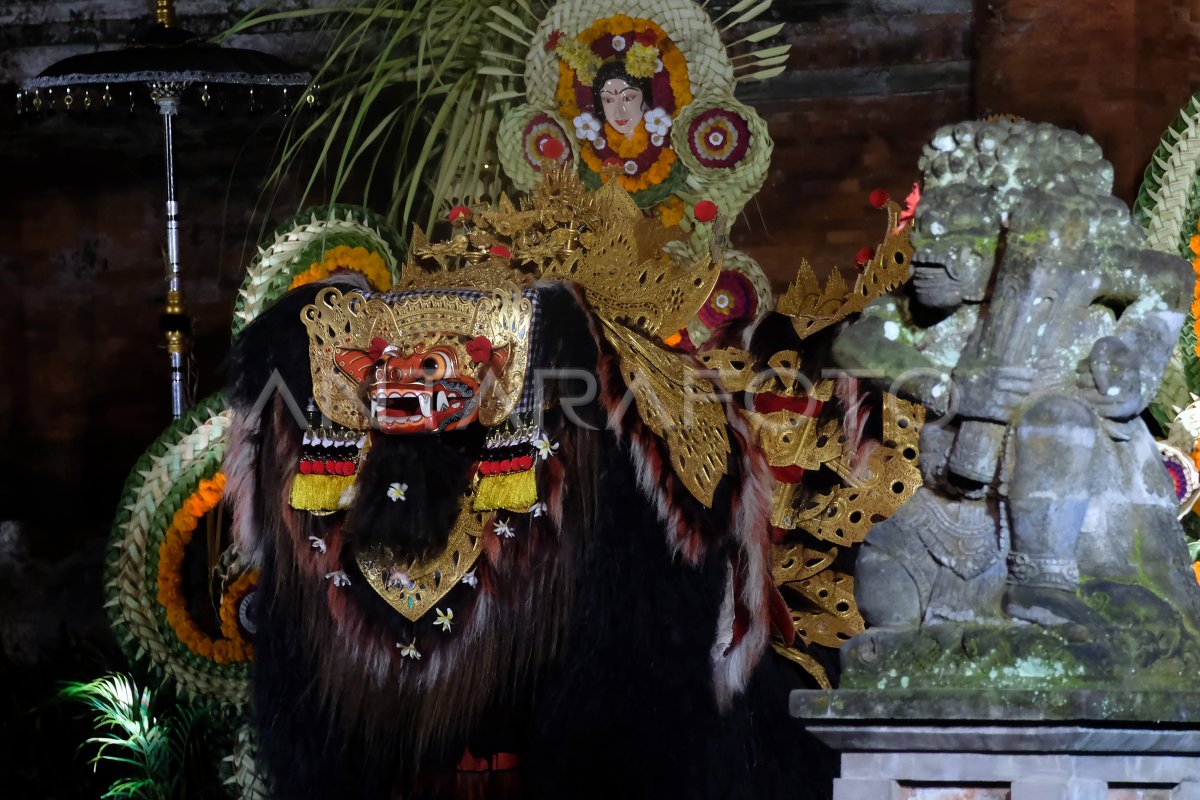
(407, 94)
(151, 747)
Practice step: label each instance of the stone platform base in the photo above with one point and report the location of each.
(891, 749)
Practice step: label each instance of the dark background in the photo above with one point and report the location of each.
(83, 378)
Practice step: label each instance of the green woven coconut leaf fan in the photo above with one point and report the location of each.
(1168, 207)
(155, 632)
(315, 241)
(174, 493)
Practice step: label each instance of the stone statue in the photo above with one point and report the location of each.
(1037, 328)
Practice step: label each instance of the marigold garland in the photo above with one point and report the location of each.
(230, 602)
(628, 149)
(170, 582)
(359, 259)
(671, 211)
(632, 147)
(1194, 244)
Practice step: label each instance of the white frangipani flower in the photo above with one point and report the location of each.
(658, 121)
(586, 126)
(339, 578)
(317, 544)
(503, 529)
(396, 491)
(410, 650)
(471, 579)
(444, 619)
(545, 447)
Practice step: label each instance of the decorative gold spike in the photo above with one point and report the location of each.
(790, 439)
(871, 492)
(806, 662)
(837, 617)
(814, 307)
(791, 563)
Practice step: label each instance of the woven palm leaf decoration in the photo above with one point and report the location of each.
(177, 484)
(695, 144)
(1168, 207)
(311, 242)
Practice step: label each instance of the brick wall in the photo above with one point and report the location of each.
(869, 81)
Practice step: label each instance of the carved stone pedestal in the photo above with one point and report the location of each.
(1008, 744)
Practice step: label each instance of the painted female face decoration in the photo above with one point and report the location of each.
(623, 105)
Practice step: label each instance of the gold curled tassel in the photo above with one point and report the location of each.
(516, 491)
(319, 493)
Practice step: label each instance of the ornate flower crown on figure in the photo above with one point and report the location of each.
(644, 96)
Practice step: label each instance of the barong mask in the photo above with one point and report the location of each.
(418, 362)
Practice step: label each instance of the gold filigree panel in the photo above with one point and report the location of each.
(836, 618)
(679, 406)
(413, 588)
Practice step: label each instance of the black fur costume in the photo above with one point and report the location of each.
(588, 647)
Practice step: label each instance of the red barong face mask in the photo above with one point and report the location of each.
(432, 388)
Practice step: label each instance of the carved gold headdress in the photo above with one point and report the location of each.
(639, 278)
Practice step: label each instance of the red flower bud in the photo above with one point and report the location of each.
(377, 345)
(550, 147)
(500, 250)
(878, 197)
(705, 211)
(864, 255)
(479, 349)
(459, 214)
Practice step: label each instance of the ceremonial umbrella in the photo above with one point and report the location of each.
(167, 61)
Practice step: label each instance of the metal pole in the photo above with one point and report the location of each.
(166, 96)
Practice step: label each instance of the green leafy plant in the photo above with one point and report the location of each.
(151, 748)
(410, 94)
